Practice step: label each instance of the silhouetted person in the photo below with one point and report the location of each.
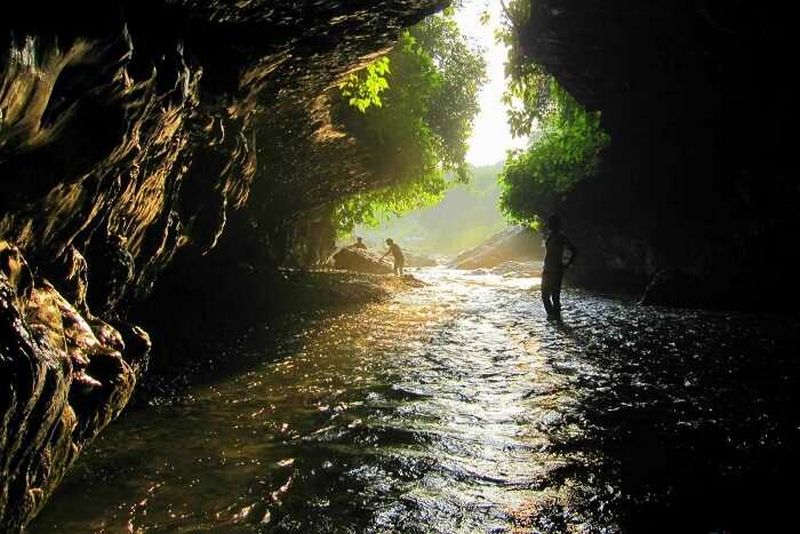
(554, 266)
(358, 244)
(399, 259)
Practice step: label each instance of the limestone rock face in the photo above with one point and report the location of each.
(63, 377)
(700, 173)
(128, 153)
(514, 243)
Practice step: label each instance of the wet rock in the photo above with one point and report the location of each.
(137, 345)
(360, 261)
(18, 273)
(326, 289)
(127, 147)
(112, 270)
(675, 288)
(679, 185)
(70, 272)
(514, 243)
(61, 381)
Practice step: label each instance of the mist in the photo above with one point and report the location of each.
(466, 217)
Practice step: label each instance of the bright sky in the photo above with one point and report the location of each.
(491, 137)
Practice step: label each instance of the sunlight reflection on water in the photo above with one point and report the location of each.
(452, 408)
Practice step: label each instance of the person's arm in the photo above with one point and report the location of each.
(573, 252)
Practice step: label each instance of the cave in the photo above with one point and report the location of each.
(169, 172)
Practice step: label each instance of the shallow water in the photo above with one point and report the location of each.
(458, 408)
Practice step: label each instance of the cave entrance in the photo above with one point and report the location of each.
(467, 214)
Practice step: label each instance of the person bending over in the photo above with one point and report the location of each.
(397, 254)
(554, 266)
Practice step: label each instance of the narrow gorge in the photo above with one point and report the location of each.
(163, 163)
(128, 148)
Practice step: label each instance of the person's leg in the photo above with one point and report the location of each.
(557, 278)
(396, 266)
(546, 288)
(402, 266)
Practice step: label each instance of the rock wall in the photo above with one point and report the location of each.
(701, 174)
(129, 148)
(65, 375)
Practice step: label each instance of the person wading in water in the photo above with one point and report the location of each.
(399, 260)
(554, 266)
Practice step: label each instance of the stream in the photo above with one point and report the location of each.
(457, 407)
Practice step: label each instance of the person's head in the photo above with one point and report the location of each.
(359, 239)
(554, 223)
(389, 241)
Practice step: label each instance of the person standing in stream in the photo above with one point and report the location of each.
(397, 254)
(554, 266)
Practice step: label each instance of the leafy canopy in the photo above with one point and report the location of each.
(567, 139)
(363, 89)
(413, 112)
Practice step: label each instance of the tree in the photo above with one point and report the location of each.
(568, 139)
(413, 112)
(566, 151)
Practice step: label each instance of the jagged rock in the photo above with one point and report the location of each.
(70, 271)
(18, 273)
(112, 271)
(62, 380)
(360, 261)
(137, 346)
(514, 243)
(127, 146)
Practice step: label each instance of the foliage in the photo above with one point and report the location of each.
(363, 89)
(568, 150)
(372, 207)
(414, 124)
(567, 138)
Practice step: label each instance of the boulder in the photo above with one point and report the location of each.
(361, 261)
(513, 243)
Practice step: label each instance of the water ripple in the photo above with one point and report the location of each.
(458, 408)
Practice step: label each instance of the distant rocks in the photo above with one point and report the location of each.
(515, 244)
(419, 260)
(518, 269)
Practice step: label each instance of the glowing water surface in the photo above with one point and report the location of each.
(458, 408)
